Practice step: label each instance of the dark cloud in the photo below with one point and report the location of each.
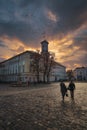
(26, 20)
(81, 40)
(2, 44)
(27, 24)
(72, 14)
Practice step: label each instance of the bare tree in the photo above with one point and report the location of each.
(48, 60)
(36, 64)
(70, 74)
(42, 65)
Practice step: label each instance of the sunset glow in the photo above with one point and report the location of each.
(51, 16)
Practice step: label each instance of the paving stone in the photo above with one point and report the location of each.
(41, 108)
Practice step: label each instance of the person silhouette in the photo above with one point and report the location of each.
(63, 89)
(71, 87)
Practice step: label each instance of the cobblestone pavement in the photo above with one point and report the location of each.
(41, 108)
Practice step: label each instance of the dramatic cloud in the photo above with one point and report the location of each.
(1, 44)
(25, 23)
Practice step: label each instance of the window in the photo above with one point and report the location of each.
(23, 68)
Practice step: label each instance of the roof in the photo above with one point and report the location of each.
(45, 41)
(32, 52)
(57, 63)
(79, 68)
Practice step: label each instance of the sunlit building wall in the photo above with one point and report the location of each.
(58, 72)
(17, 68)
(20, 67)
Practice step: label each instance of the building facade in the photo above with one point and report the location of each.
(58, 72)
(21, 67)
(80, 74)
(17, 68)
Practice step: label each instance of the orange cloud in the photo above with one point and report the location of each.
(51, 16)
(59, 46)
(12, 43)
(13, 46)
(65, 52)
(64, 48)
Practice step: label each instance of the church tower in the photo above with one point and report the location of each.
(44, 46)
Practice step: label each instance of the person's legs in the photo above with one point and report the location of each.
(63, 96)
(72, 94)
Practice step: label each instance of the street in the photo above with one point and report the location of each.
(40, 107)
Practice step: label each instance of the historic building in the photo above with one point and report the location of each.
(21, 67)
(17, 68)
(80, 73)
(58, 72)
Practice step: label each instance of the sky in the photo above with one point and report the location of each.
(63, 23)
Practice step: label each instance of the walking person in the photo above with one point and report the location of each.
(71, 88)
(63, 89)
